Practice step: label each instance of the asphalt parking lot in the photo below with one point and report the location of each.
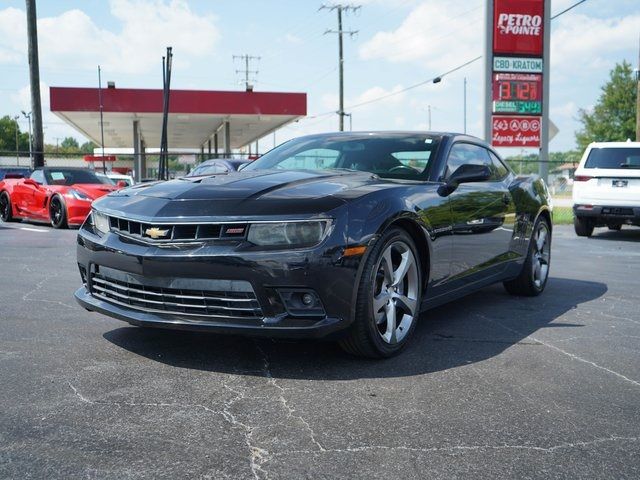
(491, 386)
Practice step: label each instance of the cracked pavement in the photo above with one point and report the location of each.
(490, 387)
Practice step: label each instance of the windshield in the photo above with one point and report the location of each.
(104, 179)
(613, 158)
(63, 176)
(402, 156)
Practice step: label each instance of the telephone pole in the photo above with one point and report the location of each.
(638, 95)
(247, 72)
(34, 74)
(340, 8)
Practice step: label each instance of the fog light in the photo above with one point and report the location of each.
(307, 299)
(302, 303)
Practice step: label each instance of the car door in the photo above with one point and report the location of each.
(23, 193)
(482, 216)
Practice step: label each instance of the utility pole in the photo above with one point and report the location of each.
(638, 95)
(37, 159)
(247, 72)
(340, 8)
(28, 117)
(15, 119)
(104, 166)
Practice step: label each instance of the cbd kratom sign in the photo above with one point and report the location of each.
(517, 64)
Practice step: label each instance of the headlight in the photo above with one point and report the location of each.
(307, 233)
(78, 195)
(100, 222)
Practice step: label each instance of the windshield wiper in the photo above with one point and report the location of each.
(627, 165)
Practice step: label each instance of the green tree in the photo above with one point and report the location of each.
(70, 145)
(8, 127)
(87, 148)
(613, 118)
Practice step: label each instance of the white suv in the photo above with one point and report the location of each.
(606, 187)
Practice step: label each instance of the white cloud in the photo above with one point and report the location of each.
(435, 34)
(291, 38)
(148, 26)
(580, 42)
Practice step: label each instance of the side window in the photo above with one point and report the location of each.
(38, 176)
(498, 169)
(466, 153)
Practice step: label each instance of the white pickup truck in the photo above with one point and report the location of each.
(606, 187)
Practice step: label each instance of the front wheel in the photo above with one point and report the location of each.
(58, 213)
(535, 271)
(6, 213)
(388, 301)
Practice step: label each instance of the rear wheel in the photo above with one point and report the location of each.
(388, 302)
(6, 213)
(583, 226)
(535, 271)
(58, 213)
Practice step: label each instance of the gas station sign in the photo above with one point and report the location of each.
(517, 93)
(515, 131)
(516, 68)
(518, 27)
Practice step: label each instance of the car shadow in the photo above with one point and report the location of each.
(627, 234)
(469, 330)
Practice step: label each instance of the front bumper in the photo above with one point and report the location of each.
(285, 328)
(604, 214)
(321, 270)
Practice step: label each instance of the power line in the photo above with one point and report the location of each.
(247, 72)
(341, 8)
(567, 9)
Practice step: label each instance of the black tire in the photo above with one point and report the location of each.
(583, 226)
(365, 337)
(526, 283)
(58, 212)
(6, 213)
(615, 227)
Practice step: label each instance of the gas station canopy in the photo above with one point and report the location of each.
(195, 116)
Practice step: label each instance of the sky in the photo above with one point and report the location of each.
(398, 43)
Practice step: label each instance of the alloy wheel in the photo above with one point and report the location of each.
(541, 255)
(396, 291)
(56, 212)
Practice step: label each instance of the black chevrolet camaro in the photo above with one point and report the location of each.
(346, 236)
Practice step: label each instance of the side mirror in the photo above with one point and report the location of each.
(32, 182)
(121, 184)
(466, 173)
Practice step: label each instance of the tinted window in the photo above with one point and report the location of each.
(38, 176)
(498, 169)
(62, 176)
(613, 158)
(466, 153)
(402, 156)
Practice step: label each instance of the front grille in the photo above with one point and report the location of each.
(129, 290)
(177, 232)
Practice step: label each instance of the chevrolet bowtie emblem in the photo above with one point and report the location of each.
(155, 232)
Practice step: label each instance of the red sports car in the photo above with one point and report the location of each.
(60, 196)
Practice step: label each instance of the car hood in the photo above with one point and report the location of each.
(254, 193)
(94, 190)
